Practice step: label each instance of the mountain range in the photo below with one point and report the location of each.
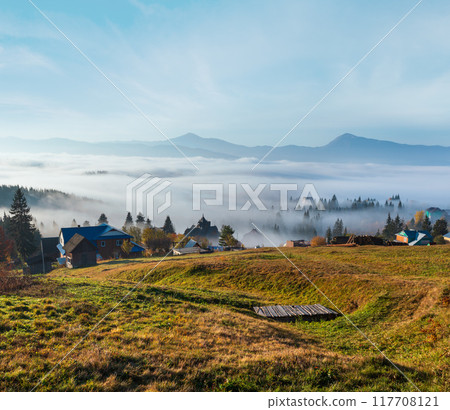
(346, 148)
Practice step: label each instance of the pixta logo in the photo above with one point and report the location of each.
(309, 198)
(148, 195)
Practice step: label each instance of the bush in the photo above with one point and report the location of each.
(11, 280)
(318, 241)
(156, 241)
(439, 240)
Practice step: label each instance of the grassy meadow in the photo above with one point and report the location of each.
(190, 325)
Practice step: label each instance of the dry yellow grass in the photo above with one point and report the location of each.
(190, 326)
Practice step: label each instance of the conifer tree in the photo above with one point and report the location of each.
(440, 227)
(329, 235)
(168, 226)
(128, 220)
(21, 228)
(389, 228)
(398, 225)
(103, 219)
(338, 228)
(426, 223)
(140, 220)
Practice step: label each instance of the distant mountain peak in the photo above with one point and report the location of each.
(346, 148)
(347, 137)
(189, 138)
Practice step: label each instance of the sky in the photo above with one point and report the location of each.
(245, 72)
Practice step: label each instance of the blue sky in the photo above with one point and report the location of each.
(242, 71)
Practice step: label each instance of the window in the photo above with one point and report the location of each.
(118, 242)
(102, 244)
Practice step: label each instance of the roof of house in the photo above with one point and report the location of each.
(94, 233)
(413, 235)
(447, 235)
(184, 251)
(191, 243)
(136, 247)
(73, 243)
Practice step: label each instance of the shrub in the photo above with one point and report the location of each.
(11, 280)
(318, 241)
(439, 240)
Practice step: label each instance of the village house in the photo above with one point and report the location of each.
(414, 238)
(106, 239)
(80, 252)
(447, 237)
(190, 247)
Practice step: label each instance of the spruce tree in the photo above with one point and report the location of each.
(398, 225)
(329, 235)
(103, 219)
(168, 226)
(426, 224)
(338, 228)
(440, 227)
(21, 228)
(389, 229)
(128, 220)
(140, 220)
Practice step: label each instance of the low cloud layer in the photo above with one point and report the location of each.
(105, 179)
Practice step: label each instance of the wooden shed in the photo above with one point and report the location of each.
(80, 252)
(291, 313)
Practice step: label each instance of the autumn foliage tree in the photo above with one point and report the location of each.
(418, 219)
(318, 241)
(226, 236)
(6, 247)
(127, 246)
(156, 240)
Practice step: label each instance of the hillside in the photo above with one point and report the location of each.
(42, 198)
(190, 325)
(346, 148)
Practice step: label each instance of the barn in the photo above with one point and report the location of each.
(80, 252)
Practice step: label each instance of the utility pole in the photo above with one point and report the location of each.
(43, 260)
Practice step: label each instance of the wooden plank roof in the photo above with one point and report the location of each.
(295, 311)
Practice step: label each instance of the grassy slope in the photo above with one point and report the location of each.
(190, 325)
